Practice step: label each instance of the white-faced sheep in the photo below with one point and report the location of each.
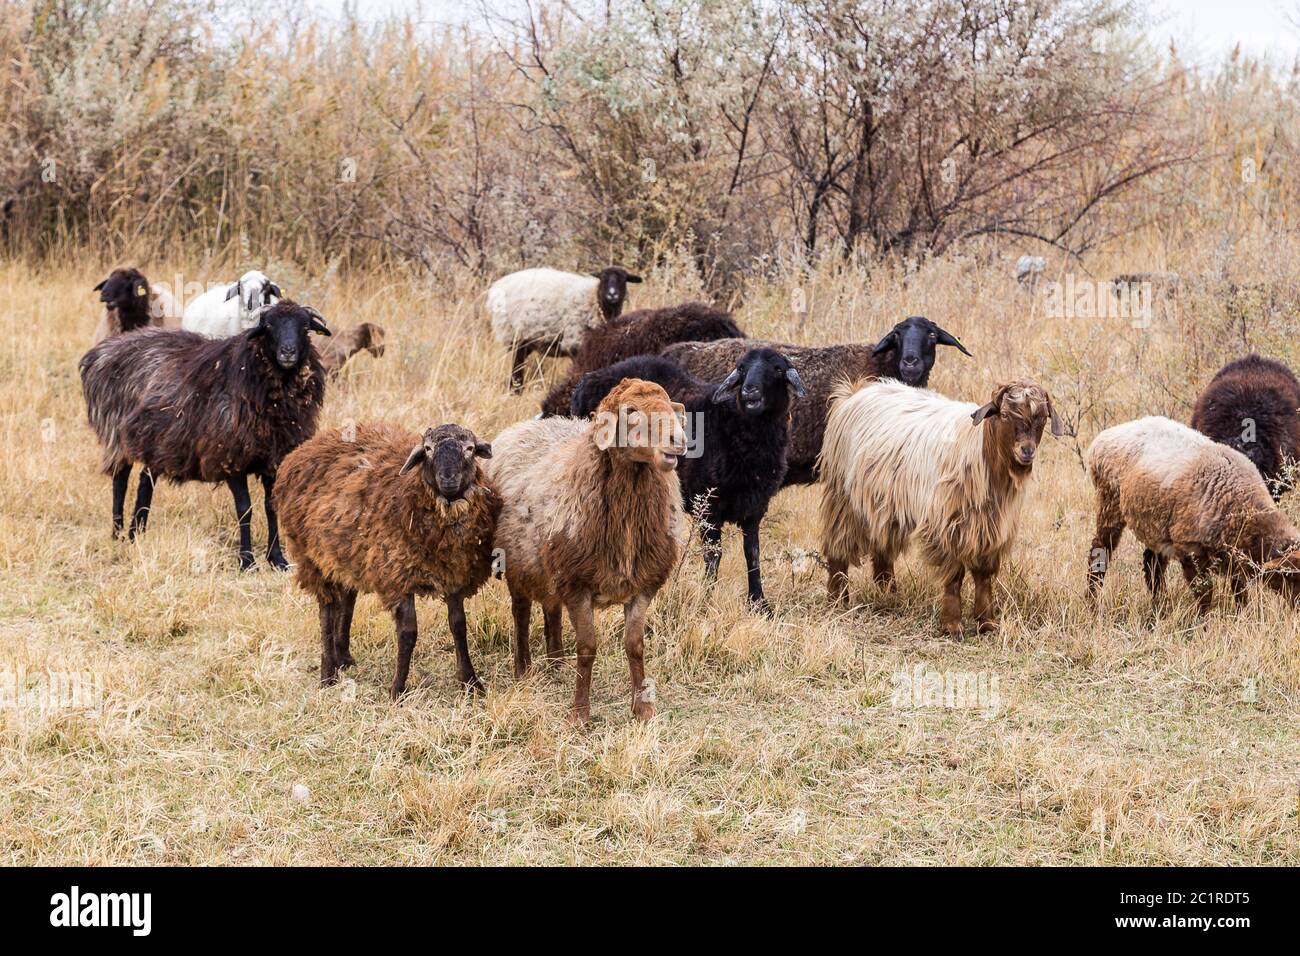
(356, 520)
(548, 311)
(1189, 498)
(227, 310)
(902, 463)
(592, 517)
(189, 408)
(132, 302)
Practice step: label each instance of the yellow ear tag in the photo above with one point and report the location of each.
(141, 290)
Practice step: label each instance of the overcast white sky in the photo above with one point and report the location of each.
(1204, 30)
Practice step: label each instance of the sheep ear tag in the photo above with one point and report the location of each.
(141, 291)
(416, 456)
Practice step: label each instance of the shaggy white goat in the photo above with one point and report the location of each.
(901, 463)
(227, 310)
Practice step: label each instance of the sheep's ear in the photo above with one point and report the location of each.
(984, 411)
(796, 383)
(482, 450)
(632, 278)
(890, 341)
(1057, 429)
(316, 321)
(414, 458)
(274, 289)
(947, 338)
(232, 292)
(727, 390)
(100, 286)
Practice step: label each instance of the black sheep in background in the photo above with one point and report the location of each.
(1253, 405)
(738, 431)
(190, 408)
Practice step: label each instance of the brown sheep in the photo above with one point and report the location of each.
(355, 520)
(1186, 497)
(643, 332)
(132, 302)
(592, 517)
(347, 342)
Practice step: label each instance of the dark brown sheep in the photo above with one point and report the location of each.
(130, 302)
(643, 332)
(1253, 405)
(347, 342)
(356, 520)
(190, 408)
(906, 353)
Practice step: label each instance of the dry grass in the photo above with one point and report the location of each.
(1118, 739)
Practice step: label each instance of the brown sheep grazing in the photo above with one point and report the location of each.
(592, 517)
(356, 519)
(643, 332)
(906, 464)
(347, 342)
(906, 352)
(1253, 405)
(1187, 497)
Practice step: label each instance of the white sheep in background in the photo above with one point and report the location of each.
(230, 309)
(901, 463)
(549, 311)
(1029, 268)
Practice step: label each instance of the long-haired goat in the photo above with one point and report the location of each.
(189, 408)
(592, 517)
(902, 463)
(906, 353)
(1187, 497)
(355, 520)
(1253, 405)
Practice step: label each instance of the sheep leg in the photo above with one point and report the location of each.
(274, 555)
(837, 582)
(643, 707)
(121, 478)
(1153, 572)
(517, 365)
(985, 613)
(343, 630)
(711, 536)
(553, 622)
(459, 632)
(521, 608)
(243, 511)
(143, 502)
(1197, 574)
(950, 606)
(404, 621)
(753, 568)
(329, 662)
(580, 613)
(882, 571)
(1109, 530)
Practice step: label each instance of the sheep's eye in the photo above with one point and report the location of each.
(934, 337)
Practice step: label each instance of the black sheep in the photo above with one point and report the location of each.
(1253, 405)
(643, 332)
(190, 408)
(738, 430)
(906, 353)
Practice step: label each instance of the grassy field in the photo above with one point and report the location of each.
(1098, 736)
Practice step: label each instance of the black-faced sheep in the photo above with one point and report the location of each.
(903, 463)
(548, 311)
(644, 332)
(131, 302)
(905, 353)
(592, 517)
(1253, 406)
(189, 408)
(1187, 497)
(357, 521)
(737, 435)
(347, 342)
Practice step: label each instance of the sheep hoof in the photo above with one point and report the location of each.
(579, 718)
(642, 710)
(954, 631)
(276, 560)
(473, 686)
(987, 627)
(246, 561)
(761, 606)
(347, 660)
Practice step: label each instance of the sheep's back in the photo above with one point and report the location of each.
(541, 305)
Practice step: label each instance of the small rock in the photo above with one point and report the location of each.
(301, 792)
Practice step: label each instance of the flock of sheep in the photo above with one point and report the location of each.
(667, 418)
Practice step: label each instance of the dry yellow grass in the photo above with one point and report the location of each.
(1118, 738)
